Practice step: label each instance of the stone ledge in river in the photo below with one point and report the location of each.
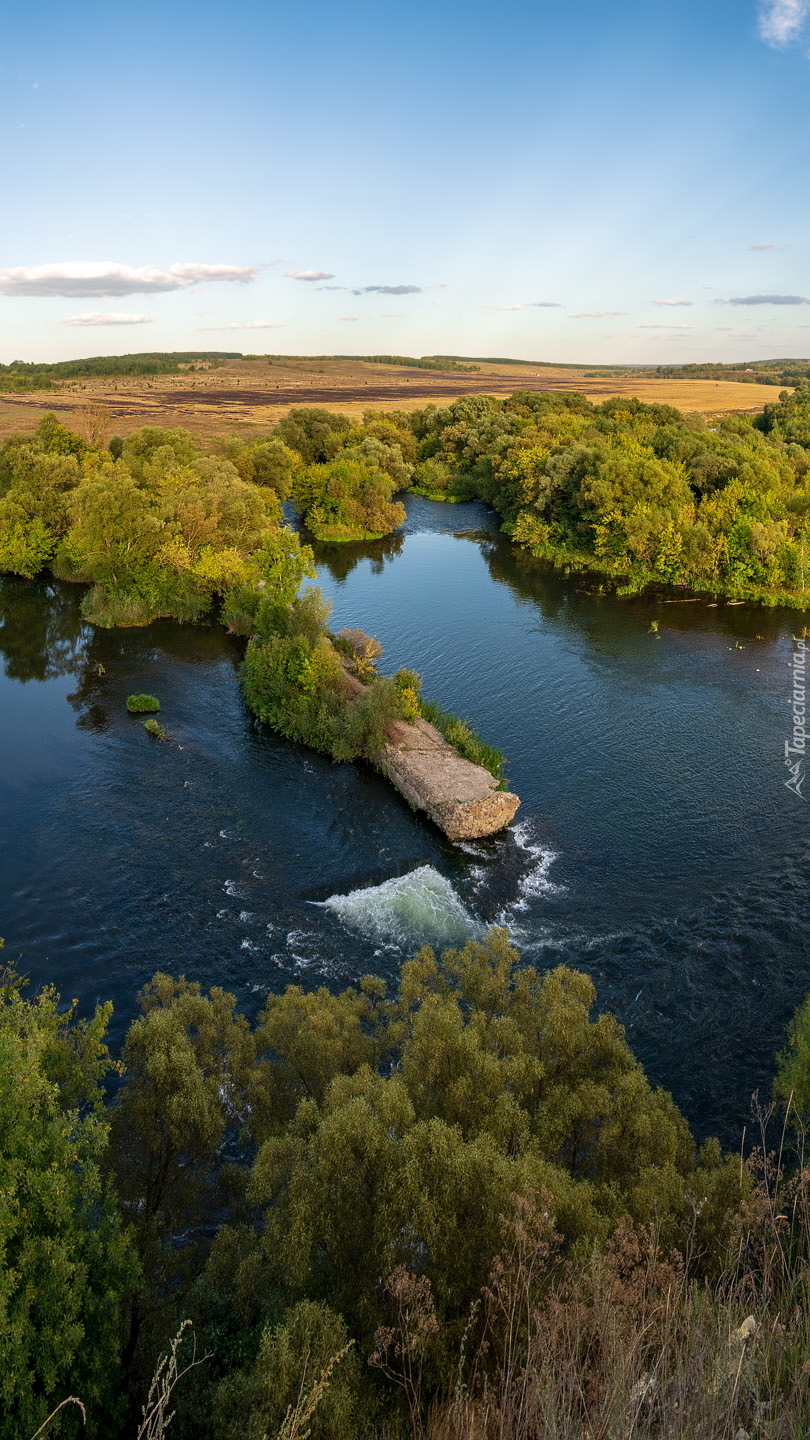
(463, 799)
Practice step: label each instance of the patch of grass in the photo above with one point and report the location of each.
(153, 727)
(465, 740)
(142, 704)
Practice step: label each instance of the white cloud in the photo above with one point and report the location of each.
(766, 300)
(350, 317)
(95, 317)
(596, 314)
(763, 247)
(781, 21)
(530, 305)
(247, 325)
(95, 279)
(666, 327)
(196, 274)
(389, 290)
(675, 303)
(309, 274)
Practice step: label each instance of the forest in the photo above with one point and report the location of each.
(21, 375)
(455, 1210)
(640, 493)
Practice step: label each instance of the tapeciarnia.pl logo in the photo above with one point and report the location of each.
(795, 748)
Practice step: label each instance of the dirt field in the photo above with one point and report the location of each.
(250, 395)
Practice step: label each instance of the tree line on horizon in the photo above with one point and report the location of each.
(22, 375)
(750, 372)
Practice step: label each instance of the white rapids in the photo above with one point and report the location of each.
(415, 909)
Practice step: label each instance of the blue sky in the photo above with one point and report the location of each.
(581, 183)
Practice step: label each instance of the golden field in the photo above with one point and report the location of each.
(249, 395)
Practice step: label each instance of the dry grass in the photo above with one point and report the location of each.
(639, 1343)
(249, 396)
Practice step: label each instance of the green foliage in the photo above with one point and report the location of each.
(343, 476)
(292, 1357)
(381, 1133)
(142, 704)
(751, 372)
(437, 480)
(409, 686)
(65, 1266)
(362, 652)
(474, 1166)
(308, 432)
(154, 524)
(348, 498)
(155, 729)
(296, 683)
(792, 1082)
(274, 465)
(187, 1059)
(637, 491)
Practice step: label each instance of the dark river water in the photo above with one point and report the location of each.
(656, 847)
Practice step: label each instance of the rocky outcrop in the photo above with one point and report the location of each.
(463, 799)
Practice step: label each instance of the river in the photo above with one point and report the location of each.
(656, 848)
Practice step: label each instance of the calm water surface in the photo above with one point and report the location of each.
(657, 847)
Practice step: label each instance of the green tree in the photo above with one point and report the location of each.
(188, 1059)
(292, 1357)
(308, 431)
(792, 1083)
(348, 498)
(65, 1266)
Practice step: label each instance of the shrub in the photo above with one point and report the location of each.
(153, 727)
(409, 685)
(292, 1357)
(142, 704)
(362, 650)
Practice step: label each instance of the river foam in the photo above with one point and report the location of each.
(418, 908)
(535, 879)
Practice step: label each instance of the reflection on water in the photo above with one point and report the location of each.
(42, 634)
(340, 560)
(656, 847)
